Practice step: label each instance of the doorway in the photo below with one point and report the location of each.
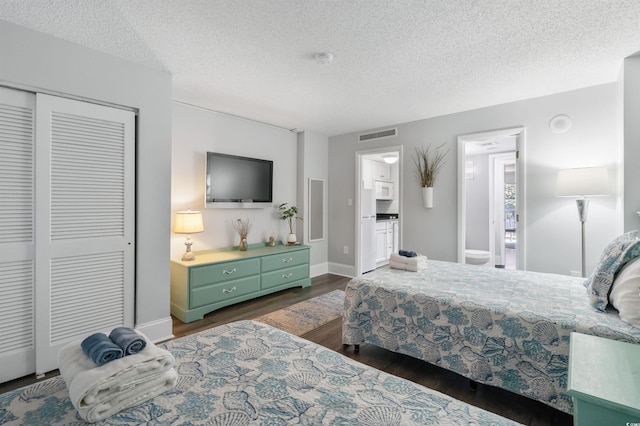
(378, 199)
(491, 196)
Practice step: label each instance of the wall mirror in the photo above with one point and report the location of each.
(316, 209)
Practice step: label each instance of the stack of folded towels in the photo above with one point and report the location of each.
(406, 260)
(105, 375)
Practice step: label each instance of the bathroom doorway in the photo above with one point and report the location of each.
(491, 198)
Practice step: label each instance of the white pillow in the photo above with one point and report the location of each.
(625, 293)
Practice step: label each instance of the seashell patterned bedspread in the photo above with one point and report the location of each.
(504, 328)
(248, 373)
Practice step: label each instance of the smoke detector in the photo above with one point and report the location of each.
(324, 58)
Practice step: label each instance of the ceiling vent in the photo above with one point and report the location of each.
(388, 133)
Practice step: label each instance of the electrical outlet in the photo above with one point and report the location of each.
(345, 250)
(575, 273)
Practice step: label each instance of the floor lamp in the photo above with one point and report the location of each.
(583, 182)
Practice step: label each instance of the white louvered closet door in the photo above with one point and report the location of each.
(17, 356)
(84, 223)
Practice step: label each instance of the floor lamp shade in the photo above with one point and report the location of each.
(188, 222)
(583, 182)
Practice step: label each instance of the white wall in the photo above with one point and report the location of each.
(196, 131)
(477, 229)
(631, 99)
(313, 161)
(37, 62)
(552, 225)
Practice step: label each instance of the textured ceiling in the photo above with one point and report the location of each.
(395, 61)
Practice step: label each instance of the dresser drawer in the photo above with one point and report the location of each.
(284, 276)
(223, 272)
(284, 260)
(213, 293)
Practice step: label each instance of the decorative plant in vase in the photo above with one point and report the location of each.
(289, 214)
(428, 164)
(242, 227)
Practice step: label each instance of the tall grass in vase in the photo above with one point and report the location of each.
(428, 163)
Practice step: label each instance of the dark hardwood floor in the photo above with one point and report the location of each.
(507, 404)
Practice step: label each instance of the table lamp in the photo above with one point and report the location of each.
(188, 222)
(583, 182)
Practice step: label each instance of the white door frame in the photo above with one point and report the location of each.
(520, 133)
(358, 184)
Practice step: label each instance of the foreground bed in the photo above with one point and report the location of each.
(508, 329)
(250, 373)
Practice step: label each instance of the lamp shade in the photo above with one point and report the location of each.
(188, 222)
(583, 181)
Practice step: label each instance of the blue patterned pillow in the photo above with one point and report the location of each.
(624, 248)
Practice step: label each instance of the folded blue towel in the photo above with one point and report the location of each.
(128, 340)
(407, 253)
(101, 349)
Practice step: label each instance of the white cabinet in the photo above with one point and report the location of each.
(396, 236)
(381, 170)
(386, 241)
(367, 174)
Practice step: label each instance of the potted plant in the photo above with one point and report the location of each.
(289, 214)
(428, 164)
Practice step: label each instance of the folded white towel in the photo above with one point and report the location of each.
(134, 395)
(403, 266)
(413, 261)
(97, 391)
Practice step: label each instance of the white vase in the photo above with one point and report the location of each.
(291, 238)
(427, 196)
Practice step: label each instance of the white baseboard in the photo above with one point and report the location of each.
(318, 269)
(342, 270)
(158, 330)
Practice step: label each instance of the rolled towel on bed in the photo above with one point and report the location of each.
(413, 261)
(128, 340)
(101, 349)
(404, 266)
(407, 253)
(99, 392)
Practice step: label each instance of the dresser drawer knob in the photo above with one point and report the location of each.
(287, 260)
(224, 271)
(289, 275)
(231, 290)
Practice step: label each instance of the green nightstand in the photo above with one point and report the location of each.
(604, 381)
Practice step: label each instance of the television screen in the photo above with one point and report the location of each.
(235, 179)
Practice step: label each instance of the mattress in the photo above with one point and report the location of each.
(499, 327)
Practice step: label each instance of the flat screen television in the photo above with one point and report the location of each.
(235, 181)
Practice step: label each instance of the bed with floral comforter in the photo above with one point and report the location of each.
(250, 373)
(504, 328)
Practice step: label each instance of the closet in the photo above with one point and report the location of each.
(66, 226)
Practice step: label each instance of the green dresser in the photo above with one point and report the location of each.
(222, 277)
(604, 381)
